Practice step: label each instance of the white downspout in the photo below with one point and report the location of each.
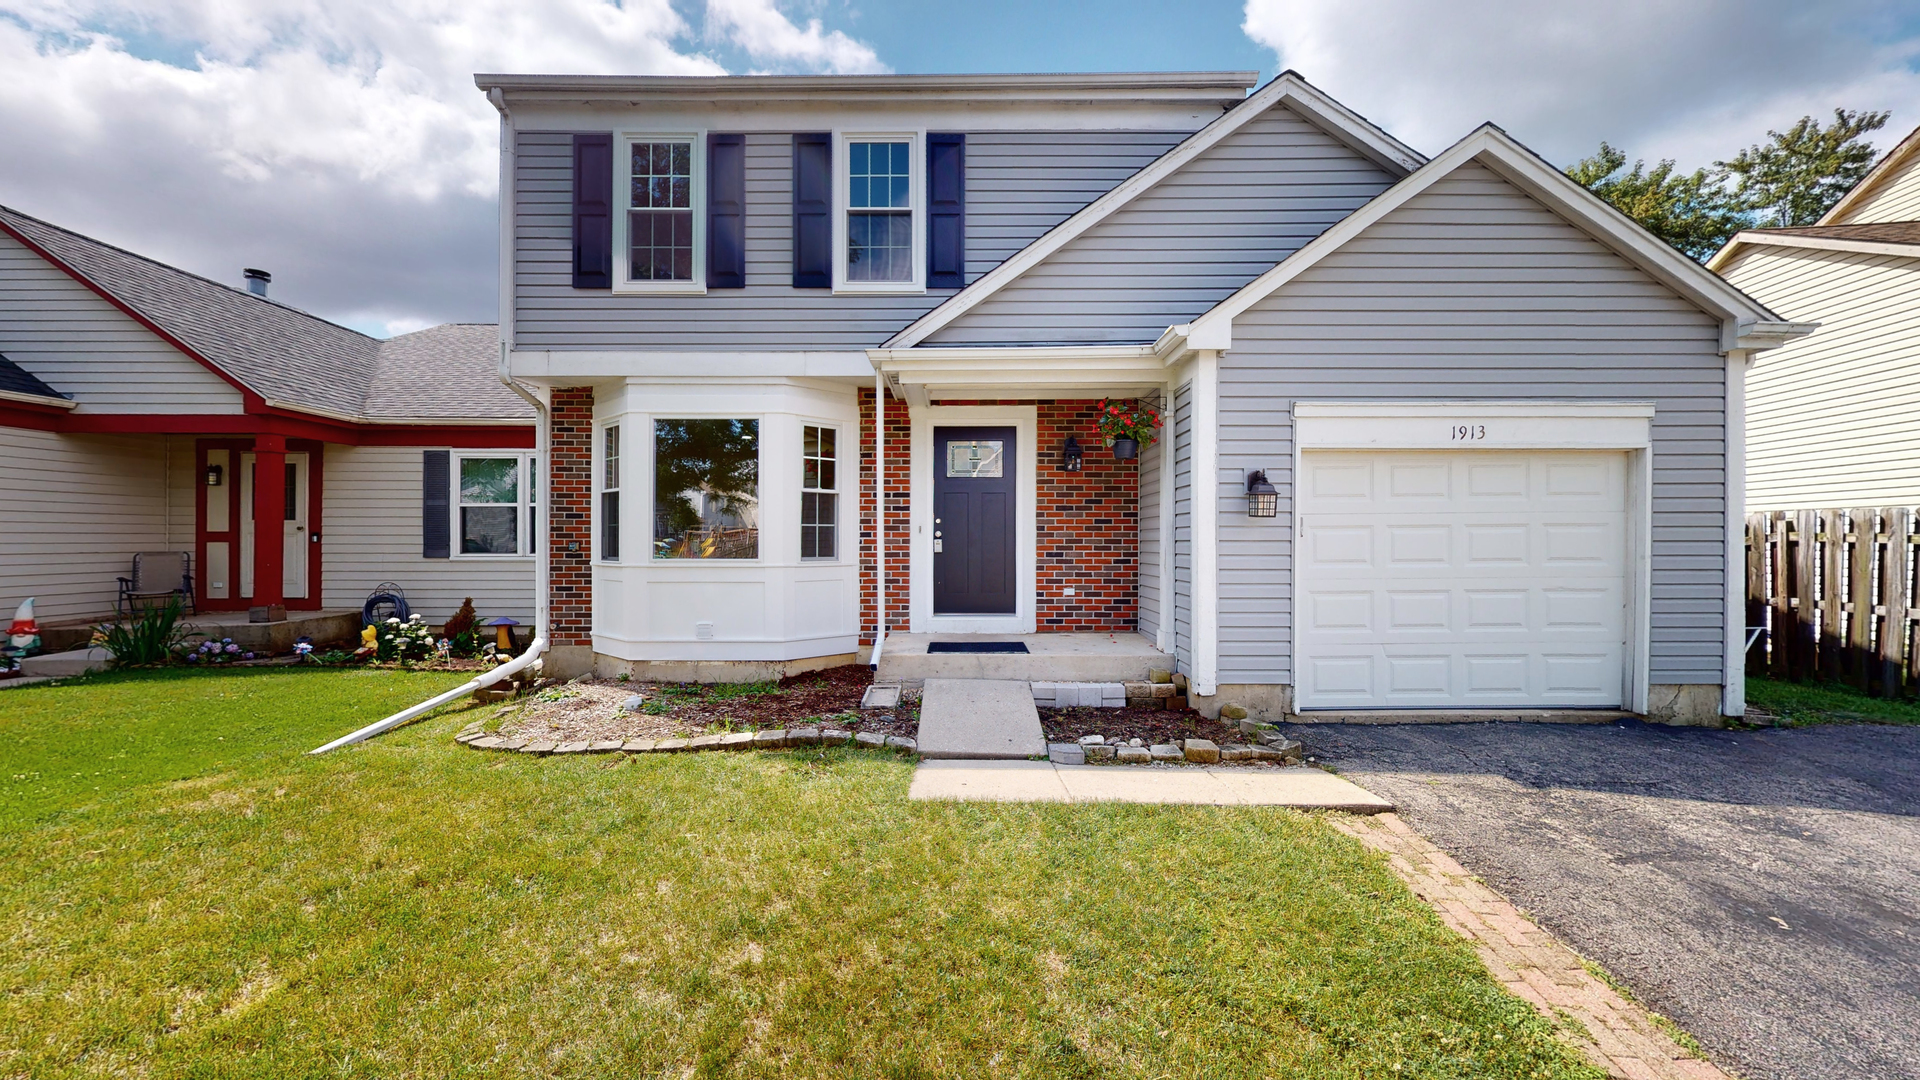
(542, 427)
(879, 519)
(1733, 695)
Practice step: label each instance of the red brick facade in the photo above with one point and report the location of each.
(569, 494)
(1087, 523)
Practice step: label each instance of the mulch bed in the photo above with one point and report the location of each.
(592, 708)
(1148, 725)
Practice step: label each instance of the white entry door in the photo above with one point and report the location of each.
(293, 584)
(1477, 579)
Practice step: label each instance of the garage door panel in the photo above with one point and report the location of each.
(1463, 579)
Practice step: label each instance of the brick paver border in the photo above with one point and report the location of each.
(1616, 1034)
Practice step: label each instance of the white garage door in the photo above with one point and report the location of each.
(1462, 579)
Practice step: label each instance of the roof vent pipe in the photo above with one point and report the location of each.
(257, 281)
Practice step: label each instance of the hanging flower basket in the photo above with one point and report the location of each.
(1127, 426)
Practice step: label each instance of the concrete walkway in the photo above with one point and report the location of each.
(979, 718)
(1043, 781)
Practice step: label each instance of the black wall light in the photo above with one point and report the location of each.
(1071, 455)
(1262, 500)
(214, 475)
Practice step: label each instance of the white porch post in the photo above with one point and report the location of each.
(1206, 524)
(879, 516)
(1163, 632)
(1733, 695)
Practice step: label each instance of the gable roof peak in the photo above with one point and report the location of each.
(1288, 88)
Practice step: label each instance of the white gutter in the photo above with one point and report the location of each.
(542, 430)
(879, 518)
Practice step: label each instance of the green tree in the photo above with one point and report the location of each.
(1798, 175)
(1695, 212)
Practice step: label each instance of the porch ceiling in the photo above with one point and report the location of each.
(923, 376)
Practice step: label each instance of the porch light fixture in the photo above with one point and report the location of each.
(1262, 500)
(215, 475)
(1071, 455)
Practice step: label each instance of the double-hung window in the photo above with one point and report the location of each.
(659, 233)
(610, 493)
(494, 500)
(819, 492)
(881, 218)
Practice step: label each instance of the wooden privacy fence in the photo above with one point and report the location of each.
(1830, 596)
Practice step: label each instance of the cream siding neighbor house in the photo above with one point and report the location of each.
(1833, 420)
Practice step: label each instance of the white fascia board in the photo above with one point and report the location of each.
(1495, 149)
(1038, 371)
(1288, 88)
(1767, 238)
(37, 399)
(562, 364)
(1755, 334)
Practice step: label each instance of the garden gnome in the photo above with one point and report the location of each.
(24, 634)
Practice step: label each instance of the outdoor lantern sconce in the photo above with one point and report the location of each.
(1262, 500)
(1071, 455)
(215, 474)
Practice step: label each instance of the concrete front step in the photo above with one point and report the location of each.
(980, 719)
(63, 665)
(1050, 658)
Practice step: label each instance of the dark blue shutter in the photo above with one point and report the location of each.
(436, 520)
(726, 211)
(813, 211)
(946, 210)
(593, 210)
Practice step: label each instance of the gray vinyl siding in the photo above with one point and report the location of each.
(1183, 528)
(1148, 591)
(84, 347)
(74, 509)
(1833, 419)
(372, 508)
(1019, 185)
(1473, 290)
(1177, 249)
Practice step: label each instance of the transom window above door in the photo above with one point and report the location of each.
(660, 226)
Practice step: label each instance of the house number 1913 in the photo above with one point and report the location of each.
(1469, 432)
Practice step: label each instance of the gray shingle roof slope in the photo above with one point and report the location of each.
(280, 352)
(15, 379)
(443, 373)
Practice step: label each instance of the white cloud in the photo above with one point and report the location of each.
(339, 143)
(1695, 81)
(767, 35)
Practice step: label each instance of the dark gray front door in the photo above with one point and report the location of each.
(973, 508)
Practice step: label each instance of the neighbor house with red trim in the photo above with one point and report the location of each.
(1440, 433)
(299, 463)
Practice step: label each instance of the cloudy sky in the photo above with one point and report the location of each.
(341, 144)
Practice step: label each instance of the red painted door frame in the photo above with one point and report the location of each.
(230, 490)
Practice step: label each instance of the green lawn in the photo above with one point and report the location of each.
(187, 894)
(1800, 704)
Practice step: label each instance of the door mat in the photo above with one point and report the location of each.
(977, 646)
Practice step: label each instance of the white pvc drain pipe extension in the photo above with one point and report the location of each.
(541, 440)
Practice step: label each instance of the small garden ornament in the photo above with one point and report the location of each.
(1126, 426)
(24, 635)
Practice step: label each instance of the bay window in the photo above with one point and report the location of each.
(819, 487)
(706, 489)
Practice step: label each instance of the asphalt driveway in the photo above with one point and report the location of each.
(1761, 888)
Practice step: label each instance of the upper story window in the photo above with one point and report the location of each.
(660, 227)
(881, 226)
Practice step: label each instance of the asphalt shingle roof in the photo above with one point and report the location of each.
(287, 356)
(15, 379)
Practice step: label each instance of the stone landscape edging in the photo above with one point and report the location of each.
(771, 739)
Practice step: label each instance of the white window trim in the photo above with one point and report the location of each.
(598, 515)
(623, 193)
(652, 475)
(916, 202)
(838, 489)
(1624, 426)
(527, 522)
